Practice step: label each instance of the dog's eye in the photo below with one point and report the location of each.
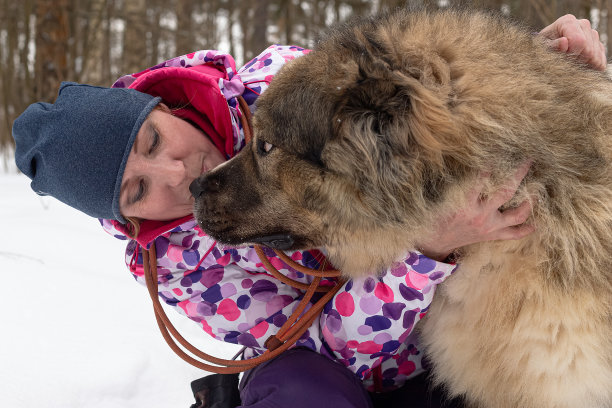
(263, 147)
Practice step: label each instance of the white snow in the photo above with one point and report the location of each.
(76, 330)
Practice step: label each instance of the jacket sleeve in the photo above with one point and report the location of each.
(371, 317)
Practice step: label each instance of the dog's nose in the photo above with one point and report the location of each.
(206, 184)
(197, 187)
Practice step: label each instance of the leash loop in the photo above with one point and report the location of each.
(295, 326)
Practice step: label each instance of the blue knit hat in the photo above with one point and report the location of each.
(76, 149)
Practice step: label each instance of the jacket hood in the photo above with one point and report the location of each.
(193, 94)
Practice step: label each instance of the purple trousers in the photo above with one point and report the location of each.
(301, 378)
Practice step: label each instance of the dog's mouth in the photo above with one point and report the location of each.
(276, 241)
(281, 240)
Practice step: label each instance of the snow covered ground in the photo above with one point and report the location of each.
(76, 330)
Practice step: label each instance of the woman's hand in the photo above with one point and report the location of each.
(481, 220)
(576, 37)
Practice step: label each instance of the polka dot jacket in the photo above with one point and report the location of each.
(368, 325)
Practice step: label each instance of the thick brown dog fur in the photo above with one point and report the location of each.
(360, 146)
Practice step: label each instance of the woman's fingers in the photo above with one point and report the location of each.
(516, 216)
(513, 233)
(507, 191)
(576, 37)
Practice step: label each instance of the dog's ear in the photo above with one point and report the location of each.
(403, 105)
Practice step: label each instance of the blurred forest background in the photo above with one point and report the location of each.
(43, 42)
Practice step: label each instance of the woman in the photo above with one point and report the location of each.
(126, 157)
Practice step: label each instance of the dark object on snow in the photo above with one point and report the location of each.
(216, 391)
(417, 392)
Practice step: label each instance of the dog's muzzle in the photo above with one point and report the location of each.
(196, 188)
(210, 184)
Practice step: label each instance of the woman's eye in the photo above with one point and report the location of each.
(140, 192)
(264, 147)
(155, 141)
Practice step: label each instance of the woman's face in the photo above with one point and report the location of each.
(168, 154)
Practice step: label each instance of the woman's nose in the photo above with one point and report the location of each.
(175, 172)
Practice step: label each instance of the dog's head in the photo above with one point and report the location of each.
(337, 160)
(360, 144)
(351, 151)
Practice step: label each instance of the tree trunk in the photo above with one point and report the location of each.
(212, 37)
(94, 50)
(245, 25)
(7, 71)
(153, 55)
(107, 37)
(184, 39)
(230, 26)
(134, 36)
(25, 81)
(259, 40)
(51, 65)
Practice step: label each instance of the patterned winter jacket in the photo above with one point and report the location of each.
(367, 326)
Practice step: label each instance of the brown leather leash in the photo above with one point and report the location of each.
(293, 329)
(289, 333)
(246, 119)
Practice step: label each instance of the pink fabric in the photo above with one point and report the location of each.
(149, 230)
(196, 94)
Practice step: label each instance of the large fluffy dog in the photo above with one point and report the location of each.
(361, 144)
